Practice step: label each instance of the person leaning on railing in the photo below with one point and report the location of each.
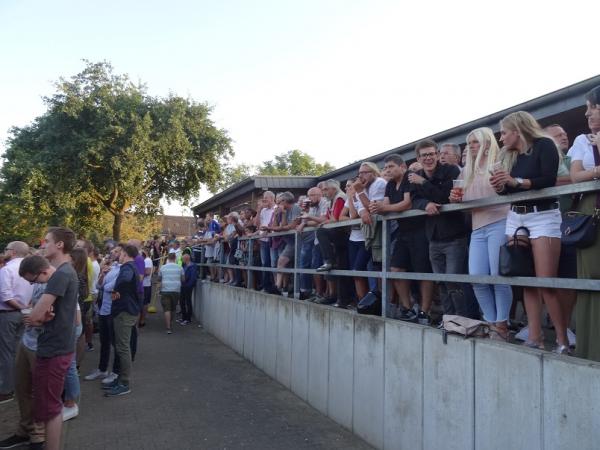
(585, 167)
(534, 163)
(489, 226)
(333, 243)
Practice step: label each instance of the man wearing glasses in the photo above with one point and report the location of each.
(447, 232)
(15, 295)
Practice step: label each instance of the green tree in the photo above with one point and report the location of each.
(294, 162)
(104, 145)
(231, 175)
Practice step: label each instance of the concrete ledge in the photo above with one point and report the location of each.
(318, 358)
(300, 331)
(398, 386)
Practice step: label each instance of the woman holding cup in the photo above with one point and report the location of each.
(483, 157)
(534, 165)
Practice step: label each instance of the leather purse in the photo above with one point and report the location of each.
(577, 229)
(516, 257)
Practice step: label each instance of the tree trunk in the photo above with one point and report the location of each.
(117, 222)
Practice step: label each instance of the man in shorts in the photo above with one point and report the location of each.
(56, 344)
(170, 276)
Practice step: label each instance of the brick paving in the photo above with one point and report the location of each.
(189, 391)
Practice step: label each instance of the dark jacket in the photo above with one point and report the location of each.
(191, 276)
(446, 226)
(126, 286)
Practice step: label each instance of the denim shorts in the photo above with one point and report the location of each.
(540, 224)
(358, 255)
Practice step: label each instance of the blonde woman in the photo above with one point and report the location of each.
(489, 226)
(533, 162)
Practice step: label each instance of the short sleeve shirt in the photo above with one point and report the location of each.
(58, 335)
(147, 278)
(396, 194)
(582, 150)
(291, 214)
(171, 274)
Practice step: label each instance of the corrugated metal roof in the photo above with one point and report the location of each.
(264, 182)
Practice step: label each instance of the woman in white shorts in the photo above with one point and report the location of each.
(534, 165)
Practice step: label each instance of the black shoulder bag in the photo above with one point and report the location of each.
(516, 257)
(577, 229)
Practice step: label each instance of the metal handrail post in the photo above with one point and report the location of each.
(297, 248)
(249, 263)
(385, 245)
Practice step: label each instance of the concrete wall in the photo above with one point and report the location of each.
(398, 386)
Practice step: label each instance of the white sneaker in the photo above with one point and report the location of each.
(110, 378)
(95, 375)
(70, 413)
(523, 335)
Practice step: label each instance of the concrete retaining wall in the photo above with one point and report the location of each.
(397, 386)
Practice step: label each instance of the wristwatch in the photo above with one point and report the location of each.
(519, 181)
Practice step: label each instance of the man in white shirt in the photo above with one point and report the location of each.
(170, 275)
(15, 295)
(369, 187)
(263, 220)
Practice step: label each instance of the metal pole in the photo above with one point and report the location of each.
(297, 248)
(250, 245)
(385, 263)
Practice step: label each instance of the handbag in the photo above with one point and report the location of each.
(464, 326)
(516, 257)
(577, 229)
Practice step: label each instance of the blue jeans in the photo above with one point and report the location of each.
(306, 253)
(72, 388)
(450, 257)
(265, 261)
(495, 300)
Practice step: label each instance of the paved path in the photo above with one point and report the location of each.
(189, 391)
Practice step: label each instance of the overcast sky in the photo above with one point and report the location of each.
(340, 80)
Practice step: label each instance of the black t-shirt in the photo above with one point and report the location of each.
(58, 335)
(396, 194)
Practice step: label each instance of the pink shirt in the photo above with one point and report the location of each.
(12, 286)
(481, 188)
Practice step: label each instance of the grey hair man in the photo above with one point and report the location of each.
(450, 153)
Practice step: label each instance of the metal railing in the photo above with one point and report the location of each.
(385, 275)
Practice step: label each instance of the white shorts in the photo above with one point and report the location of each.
(540, 224)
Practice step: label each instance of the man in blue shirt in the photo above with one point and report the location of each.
(126, 306)
(190, 271)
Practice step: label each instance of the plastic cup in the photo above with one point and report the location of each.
(458, 187)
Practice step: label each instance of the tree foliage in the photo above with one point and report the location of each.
(105, 145)
(294, 162)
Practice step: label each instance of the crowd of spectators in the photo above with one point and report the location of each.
(51, 300)
(528, 157)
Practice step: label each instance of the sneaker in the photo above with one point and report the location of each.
(109, 386)
(423, 318)
(391, 311)
(70, 413)
(169, 331)
(95, 375)
(407, 315)
(178, 320)
(109, 378)
(14, 441)
(572, 338)
(90, 347)
(119, 389)
(184, 322)
(326, 301)
(199, 325)
(5, 398)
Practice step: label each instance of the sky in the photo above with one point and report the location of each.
(339, 80)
